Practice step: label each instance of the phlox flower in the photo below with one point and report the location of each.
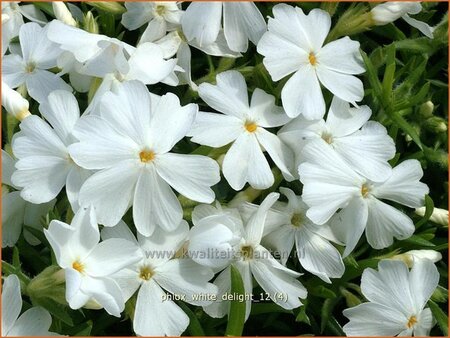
(44, 165)
(31, 67)
(365, 145)
(12, 20)
(287, 223)
(390, 11)
(329, 184)
(294, 43)
(242, 21)
(129, 143)
(244, 126)
(223, 233)
(396, 300)
(89, 264)
(35, 321)
(17, 211)
(157, 272)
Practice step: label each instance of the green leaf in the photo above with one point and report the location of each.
(58, 310)
(16, 258)
(45, 7)
(372, 74)
(420, 45)
(236, 318)
(440, 295)
(388, 79)
(327, 309)
(302, 316)
(321, 291)
(418, 240)
(406, 127)
(440, 316)
(335, 327)
(194, 328)
(429, 207)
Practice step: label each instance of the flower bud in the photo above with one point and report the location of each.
(439, 216)
(426, 109)
(63, 14)
(390, 11)
(410, 256)
(108, 6)
(435, 124)
(90, 23)
(14, 103)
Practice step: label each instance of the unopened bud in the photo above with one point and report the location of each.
(90, 23)
(350, 298)
(435, 124)
(108, 6)
(63, 14)
(14, 103)
(410, 256)
(390, 11)
(439, 216)
(426, 109)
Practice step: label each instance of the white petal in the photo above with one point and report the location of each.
(217, 48)
(80, 82)
(255, 225)
(404, 186)
(318, 256)
(370, 319)
(128, 280)
(342, 56)
(106, 292)
(36, 47)
(242, 22)
(185, 277)
(423, 280)
(61, 111)
(12, 217)
(190, 175)
(264, 111)
(423, 27)
(155, 30)
(110, 191)
(154, 203)
(121, 230)
(170, 122)
(11, 300)
(276, 283)
(368, 151)
(137, 14)
(343, 120)
(279, 152)
(228, 96)
(309, 100)
(348, 225)
(110, 256)
(384, 223)
(425, 323)
(215, 130)
(347, 87)
(33, 322)
(282, 240)
(255, 169)
(148, 65)
(155, 316)
(75, 179)
(41, 83)
(201, 21)
(95, 151)
(13, 70)
(73, 283)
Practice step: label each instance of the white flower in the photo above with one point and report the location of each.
(397, 299)
(232, 242)
(17, 211)
(129, 142)
(294, 44)
(44, 166)
(330, 184)
(390, 11)
(12, 20)
(365, 146)
(412, 256)
(161, 17)
(87, 263)
(63, 14)
(242, 21)
(33, 322)
(243, 125)
(439, 216)
(31, 68)
(159, 271)
(14, 103)
(287, 223)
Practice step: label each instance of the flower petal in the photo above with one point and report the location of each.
(41, 83)
(201, 21)
(11, 300)
(342, 56)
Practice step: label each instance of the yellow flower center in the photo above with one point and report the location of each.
(160, 10)
(411, 322)
(77, 265)
(327, 137)
(146, 156)
(312, 59)
(30, 67)
(146, 273)
(246, 252)
(251, 126)
(297, 220)
(365, 189)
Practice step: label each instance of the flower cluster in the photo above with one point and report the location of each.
(121, 176)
